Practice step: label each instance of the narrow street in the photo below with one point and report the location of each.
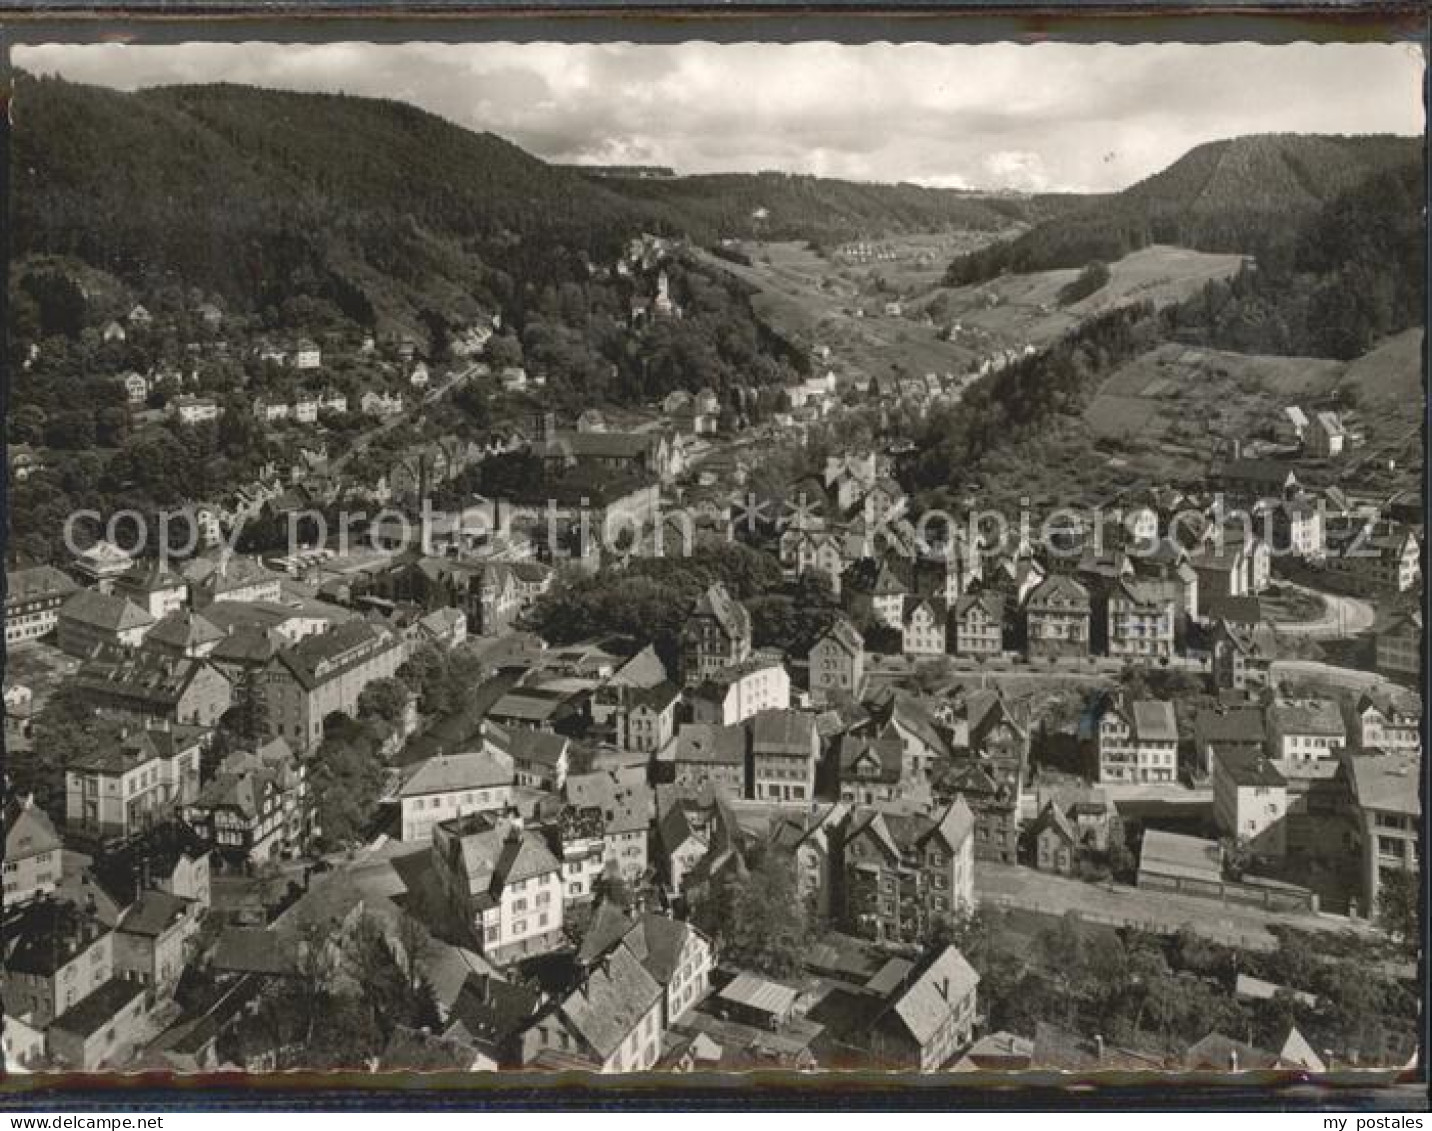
(361, 442)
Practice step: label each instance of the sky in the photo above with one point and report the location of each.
(1076, 117)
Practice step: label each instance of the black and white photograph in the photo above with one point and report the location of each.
(688, 558)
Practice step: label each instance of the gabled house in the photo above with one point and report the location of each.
(1389, 723)
(1325, 438)
(837, 662)
(448, 786)
(1056, 615)
(903, 872)
(33, 852)
(869, 770)
(715, 635)
(733, 694)
(1250, 801)
(785, 749)
(1242, 655)
(1399, 645)
(612, 1021)
(257, 808)
(1140, 620)
(1137, 740)
(143, 780)
(505, 883)
(90, 619)
(540, 759)
(152, 688)
(922, 627)
(930, 1016)
(33, 598)
(1055, 841)
(702, 754)
(1305, 731)
(977, 625)
(674, 953)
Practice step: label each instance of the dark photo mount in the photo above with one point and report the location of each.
(524, 570)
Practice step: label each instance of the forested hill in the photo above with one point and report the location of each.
(1248, 194)
(826, 211)
(376, 206)
(245, 191)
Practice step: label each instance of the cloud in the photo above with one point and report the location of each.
(1094, 117)
(1017, 169)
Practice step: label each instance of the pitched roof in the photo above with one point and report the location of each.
(1239, 725)
(844, 633)
(325, 656)
(183, 629)
(450, 773)
(887, 753)
(1175, 854)
(644, 669)
(496, 853)
(1052, 817)
(35, 582)
(1308, 716)
(658, 942)
(153, 913)
(147, 677)
(526, 745)
(710, 743)
(1246, 767)
(611, 1002)
(988, 603)
(97, 1008)
(1154, 721)
(1387, 782)
(754, 992)
(104, 611)
(925, 1006)
(493, 1011)
(778, 730)
(148, 575)
(610, 924)
(247, 646)
(1059, 587)
(1238, 610)
(255, 950)
(28, 830)
(716, 602)
(1257, 471)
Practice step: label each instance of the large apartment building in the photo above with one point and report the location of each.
(905, 871)
(324, 674)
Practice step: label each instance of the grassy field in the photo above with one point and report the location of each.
(818, 300)
(1017, 309)
(1185, 402)
(1389, 376)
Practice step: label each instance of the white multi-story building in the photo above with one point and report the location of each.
(738, 692)
(1138, 741)
(505, 882)
(453, 785)
(1250, 800)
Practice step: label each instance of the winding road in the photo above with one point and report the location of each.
(1343, 617)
